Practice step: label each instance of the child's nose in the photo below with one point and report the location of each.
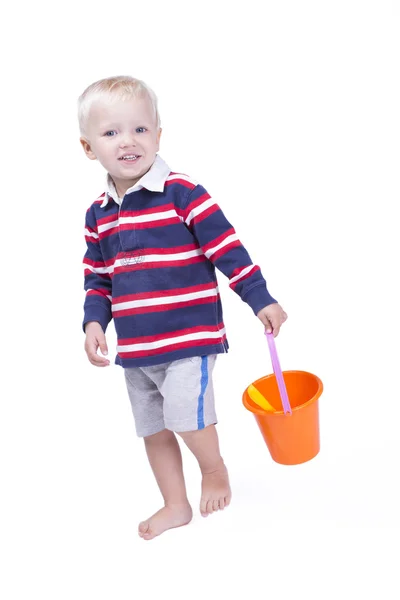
(128, 139)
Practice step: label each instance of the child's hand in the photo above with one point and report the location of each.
(272, 316)
(95, 339)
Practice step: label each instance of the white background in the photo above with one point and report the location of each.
(288, 113)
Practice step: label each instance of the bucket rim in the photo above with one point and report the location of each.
(264, 413)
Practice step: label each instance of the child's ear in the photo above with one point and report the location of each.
(158, 138)
(87, 148)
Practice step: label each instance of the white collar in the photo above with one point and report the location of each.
(153, 181)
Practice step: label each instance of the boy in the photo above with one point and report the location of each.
(154, 238)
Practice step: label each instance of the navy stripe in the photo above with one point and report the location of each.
(203, 387)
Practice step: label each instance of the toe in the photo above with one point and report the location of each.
(203, 507)
(221, 503)
(145, 531)
(143, 528)
(210, 509)
(215, 505)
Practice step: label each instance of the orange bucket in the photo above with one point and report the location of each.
(291, 439)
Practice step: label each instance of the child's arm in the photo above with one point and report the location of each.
(220, 244)
(97, 307)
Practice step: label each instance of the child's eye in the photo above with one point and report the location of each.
(110, 133)
(140, 129)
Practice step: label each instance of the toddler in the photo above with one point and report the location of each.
(154, 238)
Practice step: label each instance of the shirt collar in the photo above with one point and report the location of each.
(153, 181)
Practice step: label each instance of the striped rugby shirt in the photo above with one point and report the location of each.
(150, 265)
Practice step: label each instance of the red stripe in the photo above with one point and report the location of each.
(87, 272)
(195, 203)
(165, 293)
(163, 307)
(206, 213)
(108, 219)
(180, 212)
(93, 263)
(108, 232)
(237, 271)
(224, 250)
(98, 201)
(99, 292)
(249, 274)
(172, 347)
(170, 334)
(183, 182)
(198, 201)
(91, 239)
(218, 240)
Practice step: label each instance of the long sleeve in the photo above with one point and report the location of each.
(98, 284)
(220, 244)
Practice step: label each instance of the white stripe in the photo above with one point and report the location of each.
(158, 216)
(200, 335)
(164, 300)
(199, 209)
(98, 270)
(144, 259)
(228, 240)
(184, 177)
(158, 258)
(91, 234)
(107, 226)
(242, 273)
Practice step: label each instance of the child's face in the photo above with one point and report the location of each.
(125, 128)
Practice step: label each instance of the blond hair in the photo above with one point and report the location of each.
(112, 88)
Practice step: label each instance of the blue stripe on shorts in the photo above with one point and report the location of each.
(203, 387)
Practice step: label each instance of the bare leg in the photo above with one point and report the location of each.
(215, 489)
(166, 461)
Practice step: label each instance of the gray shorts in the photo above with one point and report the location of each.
(177, 395)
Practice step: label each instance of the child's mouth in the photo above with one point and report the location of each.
(129, 158)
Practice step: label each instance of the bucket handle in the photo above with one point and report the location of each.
(278, 374)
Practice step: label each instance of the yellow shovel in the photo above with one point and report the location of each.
(259, 399)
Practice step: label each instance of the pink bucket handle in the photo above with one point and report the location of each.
(278, 374)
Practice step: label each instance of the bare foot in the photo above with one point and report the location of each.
(215, 491)
(171, 516)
